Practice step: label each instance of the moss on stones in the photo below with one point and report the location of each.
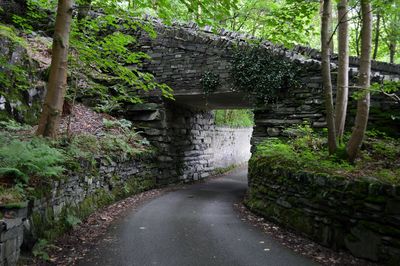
(339, 213)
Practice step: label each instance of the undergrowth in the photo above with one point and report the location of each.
(306, 149)
(29, 164)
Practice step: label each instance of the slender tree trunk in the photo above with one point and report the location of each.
(54, 100)
(392, 52)
(363, 103)
(332, 43)
(377, 35)
(326, 74)
(343, 70)
(358, 33)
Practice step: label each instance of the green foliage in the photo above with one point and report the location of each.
(72, 221)
(285, 22)
(39, 250)
(81, 148)
(36, 14)
(104, 61)
(16, 74)
(104, 49)
(385, 87)
(121, 123)
(121, 145)
(9, 197)
(25, 159)
(14, 78)
(203, 12)
(234, 118)
(262, 74)
(306, 150)
(277, 152)
(12, 125)
(11, 34)
(210, 82)
(27, 164)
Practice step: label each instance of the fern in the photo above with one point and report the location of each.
(20, 160)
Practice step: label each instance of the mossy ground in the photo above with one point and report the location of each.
(379, 157)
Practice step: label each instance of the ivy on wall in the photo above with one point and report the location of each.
(263, 75)
(210, 82)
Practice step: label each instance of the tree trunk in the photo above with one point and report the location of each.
(377, 33)
(392, 52)
(357, 32)
(332, 43)
(343, 70)
(326, 74)
(363, 103)
(53, 103)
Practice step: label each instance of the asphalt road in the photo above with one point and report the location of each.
(192, 226)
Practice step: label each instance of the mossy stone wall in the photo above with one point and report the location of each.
(62, 204)
(84, 191)
(361, 216)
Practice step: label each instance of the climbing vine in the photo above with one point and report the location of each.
(263, 75)
(210, 82)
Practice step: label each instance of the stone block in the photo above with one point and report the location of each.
(273, 131)
(363, 243)
(392, 206)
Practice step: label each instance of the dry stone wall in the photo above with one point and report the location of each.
(77, 194)
(307, 104)
(181, 53)
(181, 135)
(361, 216)
(11, 234)
(189, 145)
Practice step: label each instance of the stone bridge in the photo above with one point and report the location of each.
(181, 129)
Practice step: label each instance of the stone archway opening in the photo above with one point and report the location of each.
(232, 134)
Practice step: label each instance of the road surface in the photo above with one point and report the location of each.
(193, 226)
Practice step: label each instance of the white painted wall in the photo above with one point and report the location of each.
(230, 146)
